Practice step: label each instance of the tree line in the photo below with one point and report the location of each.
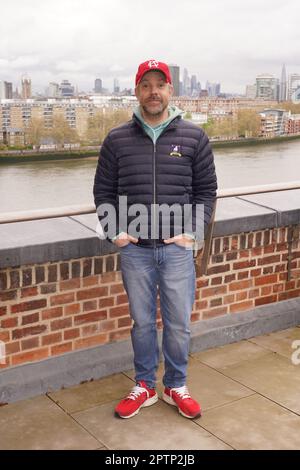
(61, 133)
(244, 123)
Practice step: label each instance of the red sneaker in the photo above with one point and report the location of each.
(140, 396)
(181, 398)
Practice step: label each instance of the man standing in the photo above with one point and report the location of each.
(157, 161)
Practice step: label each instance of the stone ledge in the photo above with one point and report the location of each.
(69, 369)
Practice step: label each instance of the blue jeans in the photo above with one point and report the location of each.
(170, 271)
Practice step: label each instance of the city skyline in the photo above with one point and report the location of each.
(224, 42)
(266, 86)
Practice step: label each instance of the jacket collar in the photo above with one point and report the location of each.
(173, 124)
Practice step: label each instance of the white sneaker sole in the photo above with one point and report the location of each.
(170, 401)
(148, 402)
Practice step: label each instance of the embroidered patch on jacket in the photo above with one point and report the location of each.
(175, 151)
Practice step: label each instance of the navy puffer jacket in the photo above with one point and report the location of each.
(178, 169)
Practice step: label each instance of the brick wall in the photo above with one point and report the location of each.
(53, 308)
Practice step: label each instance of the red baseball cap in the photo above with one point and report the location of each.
(152, 65)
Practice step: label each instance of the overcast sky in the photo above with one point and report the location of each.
(230, 41)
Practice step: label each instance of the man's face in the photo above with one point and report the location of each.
(153, 93)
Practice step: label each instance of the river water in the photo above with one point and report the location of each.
(26, 186)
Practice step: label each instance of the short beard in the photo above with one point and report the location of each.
(158, 112)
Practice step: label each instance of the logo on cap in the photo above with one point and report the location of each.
(152, 63)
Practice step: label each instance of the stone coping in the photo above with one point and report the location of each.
(66, 238)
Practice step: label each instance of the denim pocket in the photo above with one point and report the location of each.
(125, 246)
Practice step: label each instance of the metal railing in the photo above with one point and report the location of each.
(67, 211)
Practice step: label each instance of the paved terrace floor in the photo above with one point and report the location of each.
(250, 394)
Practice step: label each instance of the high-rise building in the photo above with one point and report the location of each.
(267, 87)
(189, 85)
(2, 90)
(181, 88)
(195, 86)
(116, 86)
(185, 83)
(26, 88)
(213, 89)
(6, 90)
(53, 90)
(283, 85)
(98, 85)
(294, 87)
(251, 92)
(66, 89)
(16, 94)
(175, 70)
(9, 90)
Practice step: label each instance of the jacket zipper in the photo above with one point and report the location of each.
(154, 192)
(154, 173)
